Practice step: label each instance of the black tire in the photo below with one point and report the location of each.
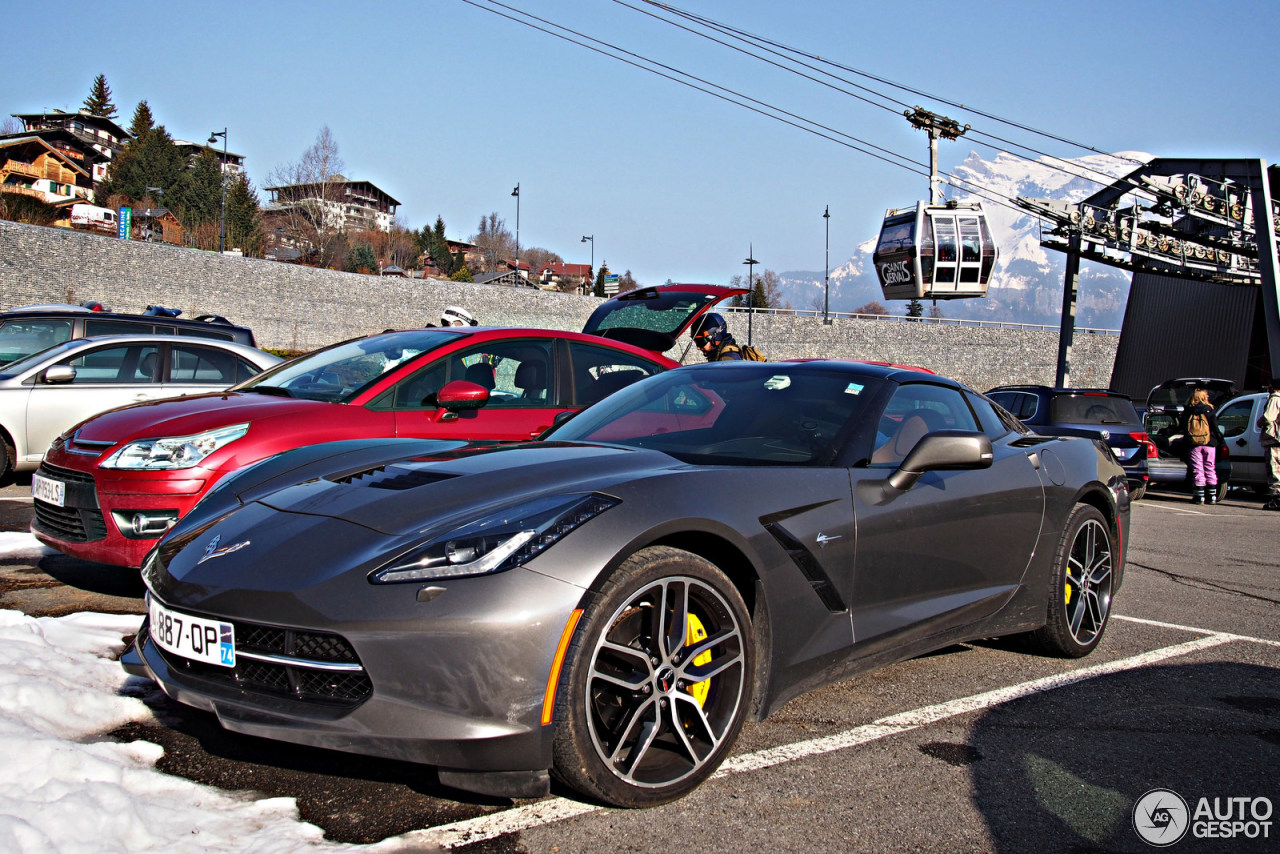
(1080, 587)
(642, 716)
(6, 461)
(1138, 493)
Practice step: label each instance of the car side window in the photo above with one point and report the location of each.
(1234, 419)
(116, 327)
(1020, 404)
(132, 363)
(914, 411)
(994, 421)
(600, 371)
(518, 375)
(21, 338)
(194, 364)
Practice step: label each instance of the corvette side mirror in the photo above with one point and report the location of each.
(942, 450)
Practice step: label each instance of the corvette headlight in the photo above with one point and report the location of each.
(500, 541)
(178, 452)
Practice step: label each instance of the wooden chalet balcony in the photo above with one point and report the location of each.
(16, 167)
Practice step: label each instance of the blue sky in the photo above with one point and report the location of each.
(447, 106)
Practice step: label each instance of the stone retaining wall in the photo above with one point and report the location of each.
(299, 308)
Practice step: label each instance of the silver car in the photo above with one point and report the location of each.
(1238, 419)
(49, 391)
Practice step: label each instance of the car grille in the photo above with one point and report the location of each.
(81, 520)
(300, 680)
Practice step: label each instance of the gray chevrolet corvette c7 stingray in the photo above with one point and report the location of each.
(607, 605)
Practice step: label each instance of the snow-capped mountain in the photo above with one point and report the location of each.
(1027, 285)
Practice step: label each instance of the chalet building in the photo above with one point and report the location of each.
(158, 225)
(232, 163)
(507, 277)
(95, 133)
(346, 205)
(32, 166)
(571, 278)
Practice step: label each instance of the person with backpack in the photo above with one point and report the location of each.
(1269, 424)
(1201, 428)
(711, 335)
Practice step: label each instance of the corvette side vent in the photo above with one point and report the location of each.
(395, 477)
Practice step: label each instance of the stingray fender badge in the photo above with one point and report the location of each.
(211, 551)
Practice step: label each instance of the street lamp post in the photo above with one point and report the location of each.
(592, 269)
(222, 181)
(751, 290)
(826, 272)
(516, 193)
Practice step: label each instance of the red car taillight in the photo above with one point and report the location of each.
(1144, 440)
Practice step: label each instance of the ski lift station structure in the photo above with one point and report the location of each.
(1199, 236)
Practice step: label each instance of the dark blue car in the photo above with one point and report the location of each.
(1091, 412)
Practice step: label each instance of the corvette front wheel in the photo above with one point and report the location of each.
(656, 681)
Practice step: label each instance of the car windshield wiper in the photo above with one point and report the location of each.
(269, 389)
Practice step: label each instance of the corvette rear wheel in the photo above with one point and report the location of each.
(1080, 587)
(656, 681)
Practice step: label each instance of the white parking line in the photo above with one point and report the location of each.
(19, 498)
(557, 809)
(1195, 630)
(1187, 511)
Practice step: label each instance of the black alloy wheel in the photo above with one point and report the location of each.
(657, 681)
(1080, 587)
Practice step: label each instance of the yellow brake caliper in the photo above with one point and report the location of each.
(694, 634)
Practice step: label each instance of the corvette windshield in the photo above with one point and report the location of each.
(769, 414)
(338, 373)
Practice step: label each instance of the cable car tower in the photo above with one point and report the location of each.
(935, 250)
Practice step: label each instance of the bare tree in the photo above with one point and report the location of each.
(306, 196)
(496, 243)
(10, 125)
(773, 291)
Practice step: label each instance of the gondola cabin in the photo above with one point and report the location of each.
(935, 252)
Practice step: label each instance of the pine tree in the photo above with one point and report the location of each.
(196, 197)
(143, 122)
(99, 101)
(361, 259)
(599, 288)
(150, 160)
(244, 218)
(444, 260)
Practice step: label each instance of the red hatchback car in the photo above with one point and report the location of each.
(111, 486)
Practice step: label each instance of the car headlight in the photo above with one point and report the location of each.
(177, 452)
(500, 541)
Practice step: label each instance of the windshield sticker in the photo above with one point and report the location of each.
(854, 388)
(777, 381)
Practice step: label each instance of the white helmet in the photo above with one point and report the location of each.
(455, 316)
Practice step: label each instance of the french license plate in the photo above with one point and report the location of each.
(49, 491)
(209, 641)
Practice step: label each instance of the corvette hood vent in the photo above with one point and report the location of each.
(397, 477)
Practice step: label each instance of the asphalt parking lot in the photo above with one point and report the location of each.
(979, 747)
